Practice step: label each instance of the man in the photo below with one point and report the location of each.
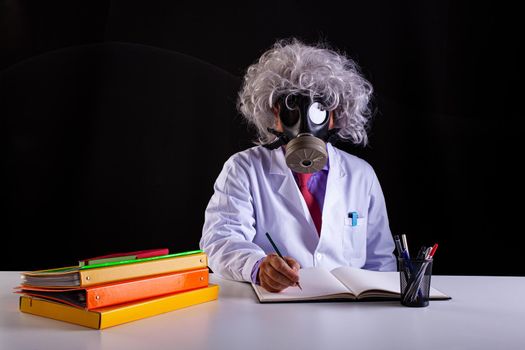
(322, 207)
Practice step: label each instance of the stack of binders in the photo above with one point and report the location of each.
(112, 291)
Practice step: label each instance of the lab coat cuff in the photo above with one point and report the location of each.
(250, 264)
(255, 271)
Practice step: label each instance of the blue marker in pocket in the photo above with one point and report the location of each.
(354, 216)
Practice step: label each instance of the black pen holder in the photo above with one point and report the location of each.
(414, 276)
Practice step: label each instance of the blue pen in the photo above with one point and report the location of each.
(403, 253)
(399, 248)
(406, 257)
(405, 244)
(411, 274)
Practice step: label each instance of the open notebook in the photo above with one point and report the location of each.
(341, 283)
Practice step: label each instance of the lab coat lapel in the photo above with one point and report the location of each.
(334, 208)
(284, 183)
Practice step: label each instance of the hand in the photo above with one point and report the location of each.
(276, 275)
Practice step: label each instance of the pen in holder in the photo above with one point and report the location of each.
(414, 276)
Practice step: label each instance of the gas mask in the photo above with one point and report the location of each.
(305, 125)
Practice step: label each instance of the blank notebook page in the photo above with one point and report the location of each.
(315, 283)
(365, 279)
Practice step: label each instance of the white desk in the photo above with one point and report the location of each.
(485, 313)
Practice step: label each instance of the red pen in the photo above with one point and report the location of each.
(433, 251)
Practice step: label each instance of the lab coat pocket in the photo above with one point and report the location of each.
(354, 242)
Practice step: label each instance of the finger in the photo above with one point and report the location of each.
(270, 284)
(273, 273)
(267, 272)
(281, 266)
(292, 263)
(277, 276)
(269, 287)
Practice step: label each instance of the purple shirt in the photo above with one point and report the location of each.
(317, 184)
(317, 187)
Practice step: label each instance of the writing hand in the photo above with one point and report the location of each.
(276, 274)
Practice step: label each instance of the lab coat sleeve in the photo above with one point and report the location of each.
(229, 226)
(380, 244)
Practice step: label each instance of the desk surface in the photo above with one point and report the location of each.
(485, 313)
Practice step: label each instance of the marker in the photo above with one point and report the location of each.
(433, 251)
(421, 254)
(280, 255)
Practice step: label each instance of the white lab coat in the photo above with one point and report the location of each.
(256, 193)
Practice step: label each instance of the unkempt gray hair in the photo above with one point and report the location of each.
(291, 67)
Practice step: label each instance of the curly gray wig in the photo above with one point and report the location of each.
(291, 67)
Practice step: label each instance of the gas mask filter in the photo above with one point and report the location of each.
(305, 124)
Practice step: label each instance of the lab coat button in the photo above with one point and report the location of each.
(319, 256)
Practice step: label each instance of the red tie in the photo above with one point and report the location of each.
(312, 204)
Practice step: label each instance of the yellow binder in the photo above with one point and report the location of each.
(84, 277)
(115, 315)
(124, 272)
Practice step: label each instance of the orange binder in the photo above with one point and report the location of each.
(124, 291)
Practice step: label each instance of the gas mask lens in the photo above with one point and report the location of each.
(317, 113)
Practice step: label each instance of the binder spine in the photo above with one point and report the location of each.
(127, 291)
(91, 277)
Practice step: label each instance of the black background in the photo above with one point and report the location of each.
(111, 176)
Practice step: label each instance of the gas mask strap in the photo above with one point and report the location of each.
(282, 139)
(333, 136)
